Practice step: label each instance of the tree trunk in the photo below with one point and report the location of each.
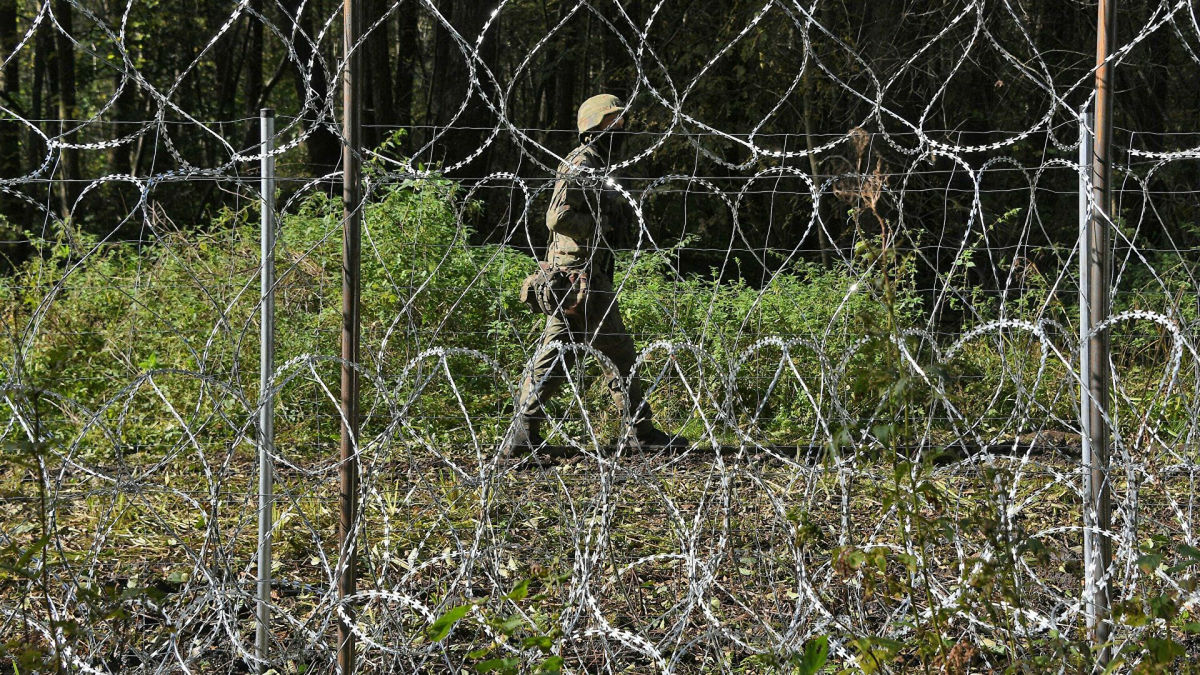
(253, 96)
(378, 102)
(565, 69)
(10, 90)
(65, 57)
(38, 106)
(120, 157)
(227, 65)
(13, 214)
(407, 59)
(616, 80)
(809, 94)
(324, 148)
(451, 84)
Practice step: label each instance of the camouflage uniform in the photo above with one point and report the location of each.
(587, 219)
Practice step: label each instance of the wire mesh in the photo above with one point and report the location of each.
(868, 330)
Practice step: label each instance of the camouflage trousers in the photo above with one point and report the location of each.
(599, 324)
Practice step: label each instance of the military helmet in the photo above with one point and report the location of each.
(593, 110)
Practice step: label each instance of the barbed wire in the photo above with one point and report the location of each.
(870, 336)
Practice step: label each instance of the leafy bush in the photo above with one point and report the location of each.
(186, 308)
(103, 315)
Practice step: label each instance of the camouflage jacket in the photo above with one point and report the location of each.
(588, 217)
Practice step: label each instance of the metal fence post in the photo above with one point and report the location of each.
(1095, 306)
(1085, 399)
(351, 252)
(266, 443)
(1093, 427)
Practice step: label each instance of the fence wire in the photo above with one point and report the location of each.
(869, 335)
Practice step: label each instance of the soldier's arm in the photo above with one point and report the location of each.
(569, 214)
(574, 206)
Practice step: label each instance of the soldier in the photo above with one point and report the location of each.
(587, 219)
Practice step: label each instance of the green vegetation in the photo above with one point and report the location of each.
(185, 308)
(145, 363)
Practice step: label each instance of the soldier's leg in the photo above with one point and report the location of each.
(614, 341)
(549, 370)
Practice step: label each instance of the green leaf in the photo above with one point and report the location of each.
(1114, 665)
(1193, 559)
(542, 642)
(35, 547)
(519, 592)
(875, 652)
(816, 652)
(498, 665)
(879, 557)
(553, 664)
(1164, 650)
(1149, 562)
(441, 628)
(1131, 613)
(1163, 607)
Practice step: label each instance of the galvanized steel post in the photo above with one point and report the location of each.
(266, 410)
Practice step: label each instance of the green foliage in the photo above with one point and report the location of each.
(105, 315)
(108, 315)
(520, 628)
(808, 661)
(822, 308)
(24, 563)
(805, 300)
(440, 628)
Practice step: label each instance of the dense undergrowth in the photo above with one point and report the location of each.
(92, 317)
(136, 356)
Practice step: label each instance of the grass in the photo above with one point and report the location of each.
(133, 519)
(706, 559)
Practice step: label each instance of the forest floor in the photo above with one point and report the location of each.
(897, 562)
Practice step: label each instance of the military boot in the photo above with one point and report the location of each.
(650, 436)
(526, 435)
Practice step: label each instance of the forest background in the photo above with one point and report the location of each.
(886, 67)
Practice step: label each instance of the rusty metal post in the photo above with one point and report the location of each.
(1095, 309)
(351, 250)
